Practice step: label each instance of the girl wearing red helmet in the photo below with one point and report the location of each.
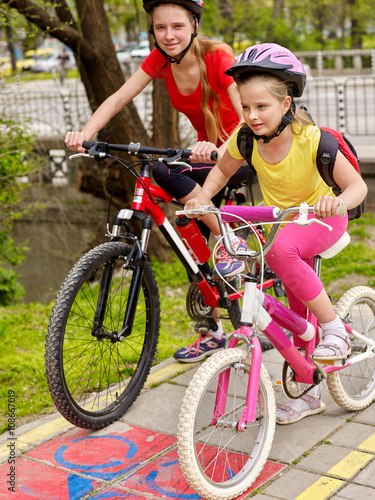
(193, 69)
(285, 143)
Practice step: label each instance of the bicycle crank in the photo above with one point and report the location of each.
(292, 388)
(195, 305)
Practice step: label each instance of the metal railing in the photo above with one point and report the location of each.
(345, 104)
(343, 62)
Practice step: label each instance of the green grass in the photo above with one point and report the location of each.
(29, 76)
(23, 327)
(22, 336)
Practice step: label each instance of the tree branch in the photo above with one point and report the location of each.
(65, 30)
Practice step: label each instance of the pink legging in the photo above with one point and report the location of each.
(292, 254)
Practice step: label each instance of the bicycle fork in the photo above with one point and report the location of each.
(135, 260)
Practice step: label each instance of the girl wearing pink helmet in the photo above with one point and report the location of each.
(285, 143)
(193, 69)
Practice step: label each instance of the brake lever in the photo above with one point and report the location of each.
(177, 163)
(78, 155)
(302, 219)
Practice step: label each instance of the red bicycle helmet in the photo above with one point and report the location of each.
(196, 6)
(273, 59)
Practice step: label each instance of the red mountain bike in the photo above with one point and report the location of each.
(104, 326)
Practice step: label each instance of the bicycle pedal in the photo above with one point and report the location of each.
(202, 328)
(278, 287)
(332, 362)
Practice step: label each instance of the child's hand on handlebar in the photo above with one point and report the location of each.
(329, 206)
(201, 152)
(196, 203)
(74, 140)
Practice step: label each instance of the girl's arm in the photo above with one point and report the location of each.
(353, 187)
(216, 180)
(108, 109)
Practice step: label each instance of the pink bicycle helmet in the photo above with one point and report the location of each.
(273, 59)
(196, 6)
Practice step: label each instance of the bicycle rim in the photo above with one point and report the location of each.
(93, 379)
(217, 460)
(353, 388)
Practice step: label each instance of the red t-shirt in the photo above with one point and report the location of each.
(190, 105)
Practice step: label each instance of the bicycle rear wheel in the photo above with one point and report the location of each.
(218, 461)
(94, 378)
(353, 388)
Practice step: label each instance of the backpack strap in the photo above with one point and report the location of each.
(326, 157)
(245, 147)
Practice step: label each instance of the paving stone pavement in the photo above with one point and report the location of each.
(329, 455)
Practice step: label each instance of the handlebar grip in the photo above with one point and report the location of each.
(187, 152)
(230, 213)
(87, 144)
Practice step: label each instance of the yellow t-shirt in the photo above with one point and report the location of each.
(296, 178)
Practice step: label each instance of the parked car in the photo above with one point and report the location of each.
(50, 62)
(123, 54)
(5, 66)
(30, 57)
(142, 50)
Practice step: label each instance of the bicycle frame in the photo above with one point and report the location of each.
(269, 315)
(144, 202)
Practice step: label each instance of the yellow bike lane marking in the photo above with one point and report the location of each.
(348, 466)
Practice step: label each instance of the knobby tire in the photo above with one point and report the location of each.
(94, 380)
(218, 461)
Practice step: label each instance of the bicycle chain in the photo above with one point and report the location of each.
(286, 390)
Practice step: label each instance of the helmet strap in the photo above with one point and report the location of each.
(286, 120)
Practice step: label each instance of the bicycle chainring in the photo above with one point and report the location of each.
(195, 305)
(293, 389)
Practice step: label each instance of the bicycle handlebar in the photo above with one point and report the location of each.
(236, 213)
(100, 148)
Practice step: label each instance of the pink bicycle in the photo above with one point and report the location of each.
(227, 418)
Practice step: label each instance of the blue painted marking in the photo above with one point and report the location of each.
(133, 448)
(93, 470)
(59, 454)
(59, 457)
(150, 481)
(78, 487)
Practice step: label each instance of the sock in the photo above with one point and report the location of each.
(299, 405)
(219, 332)
(333, 325)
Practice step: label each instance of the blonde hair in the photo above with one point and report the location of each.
(202, 45)
(214, 126)
(279, 89)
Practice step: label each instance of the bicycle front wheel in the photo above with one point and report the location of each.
(218, 460)
(94, 378)
(353, 388)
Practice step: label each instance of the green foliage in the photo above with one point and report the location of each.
(16, 144)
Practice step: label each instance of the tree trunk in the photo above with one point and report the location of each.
(101, 75)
